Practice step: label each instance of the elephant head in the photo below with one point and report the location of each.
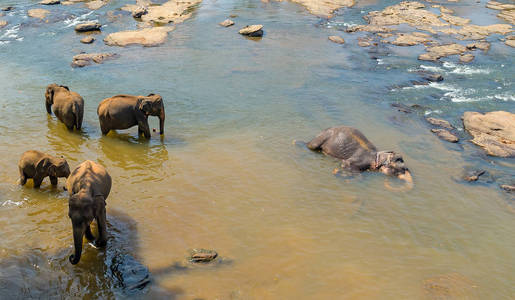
(392, 164)
(152, 105)
(56, 167)
(82, 210)
(49, 95)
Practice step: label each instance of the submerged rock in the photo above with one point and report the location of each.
(89, 26)
(493, 131)
(466, 58)
(84, 59)
(252, 30)
(508, 188)
(450, 286)
(7, 8)
(336, 39)
(202, 255)
(38, 13)
(439, 122)
(50, 2)
(227, 23)
(474, 175)
(146, 37)
(445, 135)
(87, 40)
(3, 23)
(432, 77)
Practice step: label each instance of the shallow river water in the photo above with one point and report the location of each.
(226, 175)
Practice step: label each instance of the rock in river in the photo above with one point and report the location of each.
(493, 131)
(202, 255)
(139, 11)
(227, 23)
(147, 37)
(474, 175)
(252, 30)
(445, 135)
(336, 39)
(87, 40)
(84, 59)
(7, 8)
(89, 26)
(466, 58)
(439, 122)
(50, 2)
(3, 23)
(437, 52)
(38, 13)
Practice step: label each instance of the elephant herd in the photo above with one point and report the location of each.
(89, 184)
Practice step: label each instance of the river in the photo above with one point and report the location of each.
(226, 175)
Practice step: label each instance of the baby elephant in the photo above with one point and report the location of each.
(88, 186)
(358, 154)
(68, 106)
(38, 165)
(125, 111)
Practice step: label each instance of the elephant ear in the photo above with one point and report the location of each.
(43, 166)
(65, 87)
(144, 105)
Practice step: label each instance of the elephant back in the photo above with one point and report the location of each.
(344, 142)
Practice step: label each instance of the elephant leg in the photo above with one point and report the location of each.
(102, 230)
(79, 122)
(88, 234)
(37, 180)
(105, 129)
(53, 180)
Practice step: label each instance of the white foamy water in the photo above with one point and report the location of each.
(503, 97)
(77, 20)
(464, 70)
(11, 33)
(12, 203)
(432, 68)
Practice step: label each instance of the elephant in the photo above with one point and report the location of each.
(38, 165)
(68, 106)
(358, 154)
(88, 187)
(125, 111)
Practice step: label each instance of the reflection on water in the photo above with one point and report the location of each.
(225, 175)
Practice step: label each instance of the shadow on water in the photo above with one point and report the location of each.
(113, 272)
(64, 140)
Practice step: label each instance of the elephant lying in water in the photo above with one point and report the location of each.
(359, 154)
(38, 165)
(125, 111)
(68, 106)
(88, 186)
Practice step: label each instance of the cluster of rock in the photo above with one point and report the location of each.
(444, 131)
(85, 59)
(383, 23)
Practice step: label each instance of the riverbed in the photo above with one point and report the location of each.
(227, 175)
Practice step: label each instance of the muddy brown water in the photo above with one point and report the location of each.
(226, 176)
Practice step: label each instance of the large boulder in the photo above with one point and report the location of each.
(493, 131)
(146, 37)
(89, 26)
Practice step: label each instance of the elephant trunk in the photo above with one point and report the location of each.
(407, 186)
(162, 121)
(78, 233)
(48, 107)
